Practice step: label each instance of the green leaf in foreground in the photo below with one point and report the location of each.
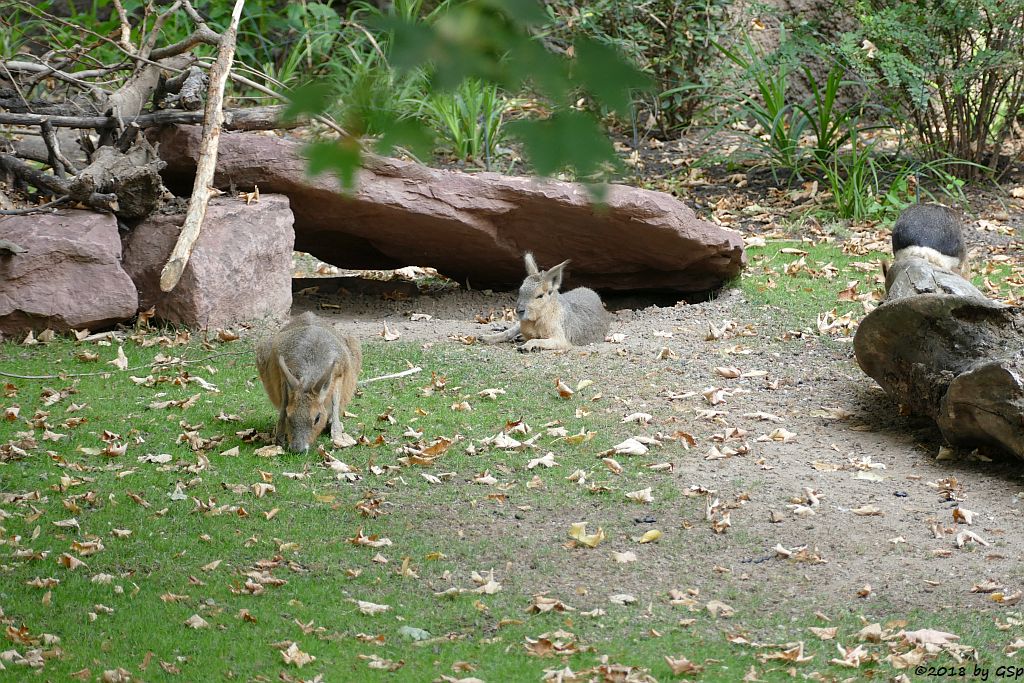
(341, 157)
(565, 139)
(607, 75)
(311, 98)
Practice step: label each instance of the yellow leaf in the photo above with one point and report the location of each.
(650, 536)
(578, 532)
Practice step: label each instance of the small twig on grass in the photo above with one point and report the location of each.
(202, 189)
(396, 375)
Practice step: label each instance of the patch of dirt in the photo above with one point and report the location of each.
(884, 516)
(880, 534)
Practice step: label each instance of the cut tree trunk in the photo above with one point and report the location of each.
(944, 351)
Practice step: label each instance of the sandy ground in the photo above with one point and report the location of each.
(859, 485)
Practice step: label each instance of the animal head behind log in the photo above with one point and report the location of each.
(932, 232)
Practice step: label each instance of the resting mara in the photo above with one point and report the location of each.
(551, 320)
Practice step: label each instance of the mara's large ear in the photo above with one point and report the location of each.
(531, 265)
(289, 378)
(323, 385)
(554, 276)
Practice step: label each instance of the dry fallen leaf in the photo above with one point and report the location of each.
(827, 633)
(927, 636)
(293, 655)
(548, 460)
(371, 608)
(121, 362)
(641, 496)
(563, 389)
(195, 621)
(717, 608)
(650, 536)
(681, 666)
(578, 532)
(541, 603)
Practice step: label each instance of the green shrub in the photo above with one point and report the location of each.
(669, 39)
(779, 121)
(468, 119)
(953, 68)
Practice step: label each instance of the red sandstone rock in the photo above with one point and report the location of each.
(240, 268)
(472, 227)
(70, 277)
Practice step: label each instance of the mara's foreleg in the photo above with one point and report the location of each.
(508, 335)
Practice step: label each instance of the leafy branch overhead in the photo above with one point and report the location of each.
(494, 42)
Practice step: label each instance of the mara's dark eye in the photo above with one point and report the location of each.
(539, 296)
(317, 420)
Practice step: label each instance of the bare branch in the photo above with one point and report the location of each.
(251, 118)
(42, 208)
(193, 14)
(151, 41)
(52, 184)
(60, 163)
(207, 164)
(75, 78)
(126, 29)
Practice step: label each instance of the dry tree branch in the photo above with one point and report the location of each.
(154, 31)
(53, 185)
(238, 78)
(57, 160)
(125, 40)
(75, 79)
(36, 209)
(207, 164)
(250, 118)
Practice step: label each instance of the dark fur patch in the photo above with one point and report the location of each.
(929, 225)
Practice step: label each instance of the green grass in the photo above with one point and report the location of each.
(446, 531)
(805, 292)
(814, 288)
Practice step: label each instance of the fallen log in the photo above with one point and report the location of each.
(943, 350)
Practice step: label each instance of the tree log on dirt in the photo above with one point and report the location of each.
(943, 350)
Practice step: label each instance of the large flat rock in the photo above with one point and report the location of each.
(70, 277)
(240, 268)
(473, 227)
